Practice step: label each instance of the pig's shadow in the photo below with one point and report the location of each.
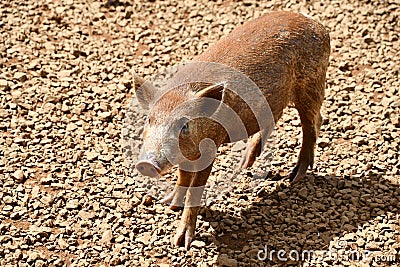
(306, 216)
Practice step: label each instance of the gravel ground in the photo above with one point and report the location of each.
(68, 198)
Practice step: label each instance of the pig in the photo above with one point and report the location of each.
(285, 54)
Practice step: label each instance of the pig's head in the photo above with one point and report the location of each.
(178, 130)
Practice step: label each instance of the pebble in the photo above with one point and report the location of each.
(19, 176)
(224, 260)
(91, 155)
(72, 204)
(86, 215)
(282, 195)
(20, 76)
(106, 237)
(147, 200)
(198, 244)
(303, 193)
(4, 84)
(144, 238)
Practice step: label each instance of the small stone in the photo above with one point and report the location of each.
(119, 239)
(86, 215)
(47, 179)
(135, 201)
(144, 238)
(19, 176)
(115, 261)
(106, 237)
(105, 158)
(60, 9)
(72, 204)
(372, 246)
(147, 200)
(16, 94)
(8, 200)
(104, 180)
(368, 39)
(104, 115)
(62, 243)
(42, 231)
(323, 142)
(71, 127)
(125, 205)
(360, 242)
(224, 260)
(8, 208)
(20, 76)
(303, 193)
(349, 236)
(341, 184)
(47, 200)
(383, 187)
(33, 256)
(15, 215)
(282, 195)
(39, 263)
(198, 244)
(59, 262)
(101, 171)
(4, 84)
(99, 16)
(91, 155)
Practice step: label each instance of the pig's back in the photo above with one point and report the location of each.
(277, 51)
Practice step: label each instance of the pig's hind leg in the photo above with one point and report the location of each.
(308, 105)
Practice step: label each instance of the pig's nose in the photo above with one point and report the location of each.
(147, 168)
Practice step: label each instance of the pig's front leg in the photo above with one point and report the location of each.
(187, 225)
(176, 197)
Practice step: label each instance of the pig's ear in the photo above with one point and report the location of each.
(144, 90)
(215, 91)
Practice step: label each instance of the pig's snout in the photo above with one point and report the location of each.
(148, 166)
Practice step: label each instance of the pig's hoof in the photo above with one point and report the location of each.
(298, 177)
(184, 236)
(298, 173)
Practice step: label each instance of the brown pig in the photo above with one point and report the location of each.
(284, 54)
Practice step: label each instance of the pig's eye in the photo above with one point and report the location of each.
(185, 128)
(183, 125)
